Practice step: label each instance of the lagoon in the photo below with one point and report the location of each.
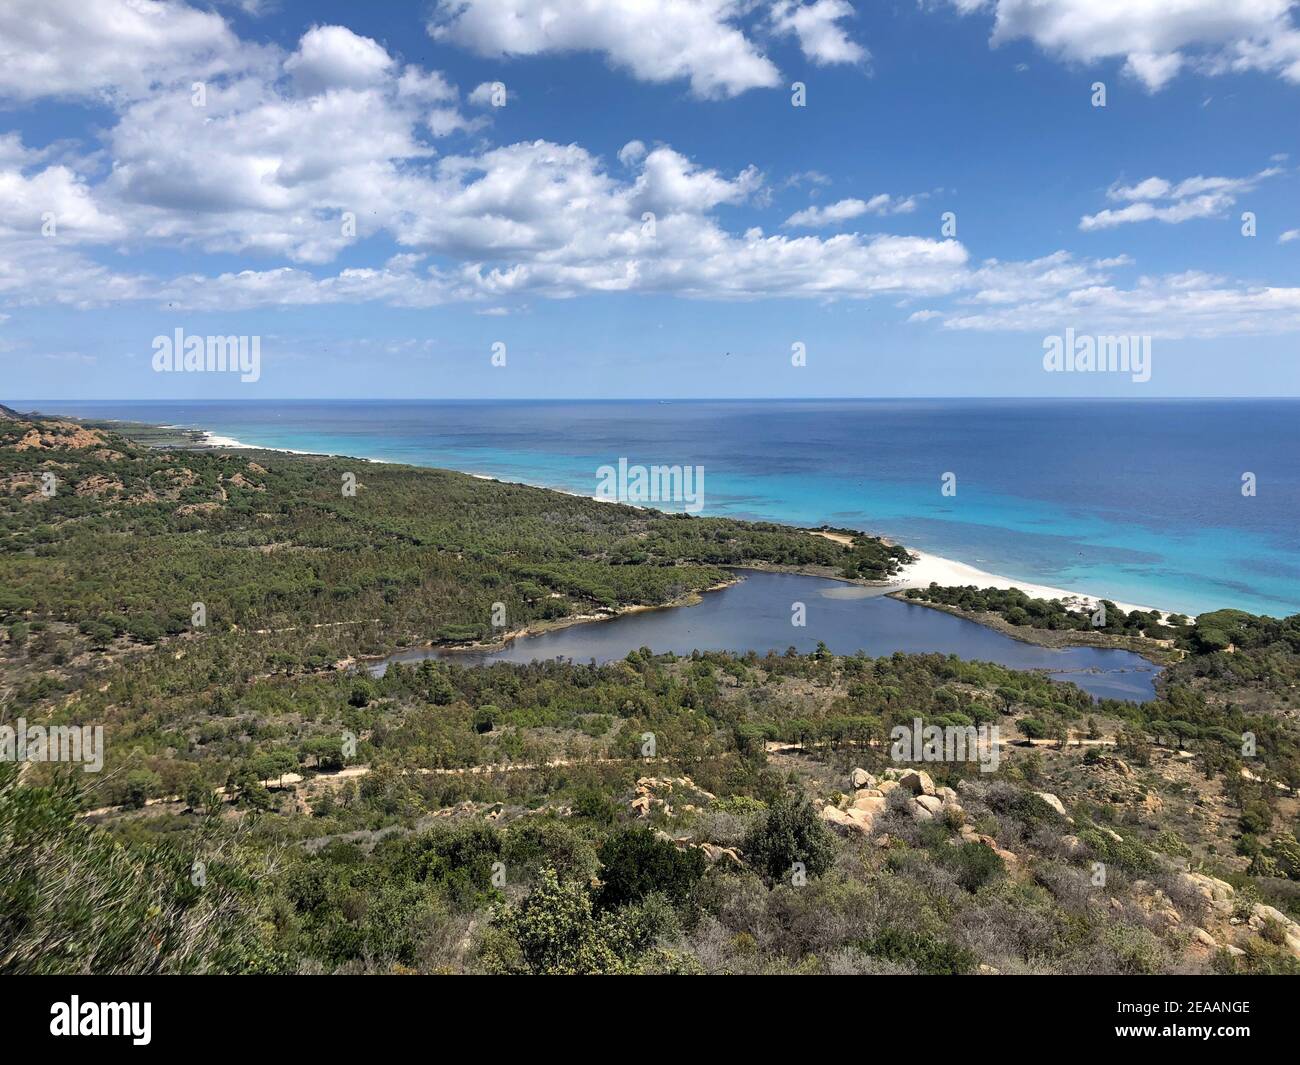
(756, 615)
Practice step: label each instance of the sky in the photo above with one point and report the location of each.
(627, 198)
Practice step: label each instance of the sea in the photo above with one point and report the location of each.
(1188, 505)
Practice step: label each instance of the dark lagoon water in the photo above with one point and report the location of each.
(755, 615)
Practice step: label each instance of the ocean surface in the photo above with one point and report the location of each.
(1139, 501)
(755, 615)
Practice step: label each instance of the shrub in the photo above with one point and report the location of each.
(635, 862)
(791, 832)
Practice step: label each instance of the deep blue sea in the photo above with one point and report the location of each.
(1140, 501)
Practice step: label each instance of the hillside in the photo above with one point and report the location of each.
(265, 807)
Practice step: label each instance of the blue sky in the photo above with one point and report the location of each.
(524, 224)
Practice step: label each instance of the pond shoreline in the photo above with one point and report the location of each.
(766, 611)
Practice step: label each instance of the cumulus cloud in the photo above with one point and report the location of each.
(291, 147)
(1156, 39)
(113, 48)
(693, 39)
(53, 203)
(817, 27)
(333, 57)
(1156, 199)
(845, 210)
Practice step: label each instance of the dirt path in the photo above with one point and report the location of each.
(297, 782)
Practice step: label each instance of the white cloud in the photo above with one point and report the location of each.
(1155, 38)
(426, 86)
(844, 210)
(1154, 71)
(658, 42)
(631, 153)
(1176, 305)
(258, 170)
(670, 182)
(285, 147)
(40, 271)
(1059, 290)
(816, 25)
(112, 48)
(56, 195)
(1289, 236)
(483, 93)
(333, 57)
(1156, 199)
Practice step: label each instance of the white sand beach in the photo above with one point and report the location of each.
(929, 569)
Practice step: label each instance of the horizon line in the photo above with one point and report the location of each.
(633, 399)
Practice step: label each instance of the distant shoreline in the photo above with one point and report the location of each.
(927, 568)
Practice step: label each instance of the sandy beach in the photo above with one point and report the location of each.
(929, 569)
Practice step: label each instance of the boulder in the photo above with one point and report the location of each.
(873, 804)
(947, 795)
(1268, 913)
(863, 820)
(860, 778)
(1052, 801)
(929, 802)
(919, 812)
(835, 816)
(860, 821)
(917, 782)
(1208, 887)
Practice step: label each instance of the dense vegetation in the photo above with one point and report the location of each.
(133, 540)
(265, 808)
(1018, 608)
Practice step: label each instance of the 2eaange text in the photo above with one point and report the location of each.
(1148, 1008)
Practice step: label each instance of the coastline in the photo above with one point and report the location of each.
(933, 569)
(926, 568)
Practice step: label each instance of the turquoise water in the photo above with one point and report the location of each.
(1137, 501)
(755, 615)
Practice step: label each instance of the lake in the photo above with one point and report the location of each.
(755, 615)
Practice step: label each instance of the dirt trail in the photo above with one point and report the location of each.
(296, 781)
